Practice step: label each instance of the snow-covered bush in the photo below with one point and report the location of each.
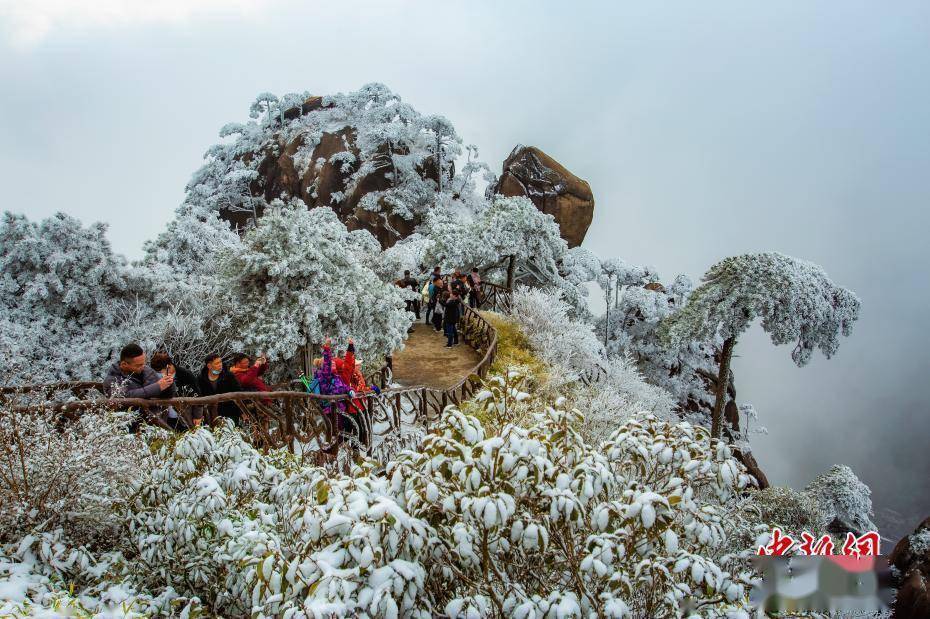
(632, 328)
(609, 389)
(296, 281)
(619, 393)
(47, 575)
(59, 281)
(74, 475)
(560, 341)
(840, 494)
(408, 254)
(534, 522)
(484, 519)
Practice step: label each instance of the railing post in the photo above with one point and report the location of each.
(289, 424)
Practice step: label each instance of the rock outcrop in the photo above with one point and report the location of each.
(911, 560)
(328, 180)
(554, 190)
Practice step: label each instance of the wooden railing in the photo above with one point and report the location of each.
(495, 298)
(373, 423)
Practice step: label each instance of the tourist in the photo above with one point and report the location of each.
(413, 305)
(249, 375)
(345, 364)
(456, 283)
(439, 303)
(474, 282)
(326, 381)
(185, 381)
(453, 311)
(130, 377)
(215, 379)
(185, 384)
(426, 294)
(356, 426)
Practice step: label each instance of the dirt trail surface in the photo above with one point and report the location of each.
(426, 361)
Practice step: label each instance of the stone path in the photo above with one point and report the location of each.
(426, 361)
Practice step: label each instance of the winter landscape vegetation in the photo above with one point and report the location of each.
(591, 463)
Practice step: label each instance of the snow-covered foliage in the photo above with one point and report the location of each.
(48, 575)
(390, 137)
(519, 520)
(920, 542)
(795, 300)
(296, 281)
(618, 394)
(568, 345)
(74, 476)
(513, 226)
(408, 254)
(534, 522)
(633, 330)
(181, 306)
(488, 233)
(59, 282)
(840, 494)
(611, 389)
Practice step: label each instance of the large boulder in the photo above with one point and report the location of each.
(911, 560)
(554, 190)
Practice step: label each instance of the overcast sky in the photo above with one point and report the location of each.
(705, 130)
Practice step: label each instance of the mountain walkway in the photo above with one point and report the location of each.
(426, 361)
(417, 385)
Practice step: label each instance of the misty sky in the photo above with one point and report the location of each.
(705, 130)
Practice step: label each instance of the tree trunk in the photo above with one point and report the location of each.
(607, 318)
(723, 381)
(307, 355)
(510, 268)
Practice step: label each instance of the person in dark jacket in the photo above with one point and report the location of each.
(185, 383)
(216, 379)
(474, 285)
(439, 302)
(450, 319)
(130, 377)
(413, 305)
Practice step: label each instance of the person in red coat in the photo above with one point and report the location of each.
(345, 365)
(248, 374)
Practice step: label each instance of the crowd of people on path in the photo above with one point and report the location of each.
(162, 378)
(444, 297)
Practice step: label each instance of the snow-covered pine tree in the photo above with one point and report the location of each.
(514, 228)
(179, 304)
(296, 281)
(794, 299)
(59, 281)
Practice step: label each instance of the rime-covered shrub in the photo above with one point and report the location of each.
(609, 389)
(534, 522)
(792, 511)
(59, 281)
(48, 575)
(517, 520)
(74, 475)
(840, 494)
(297, 281)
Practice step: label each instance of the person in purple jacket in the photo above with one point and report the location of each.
(327, 382)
